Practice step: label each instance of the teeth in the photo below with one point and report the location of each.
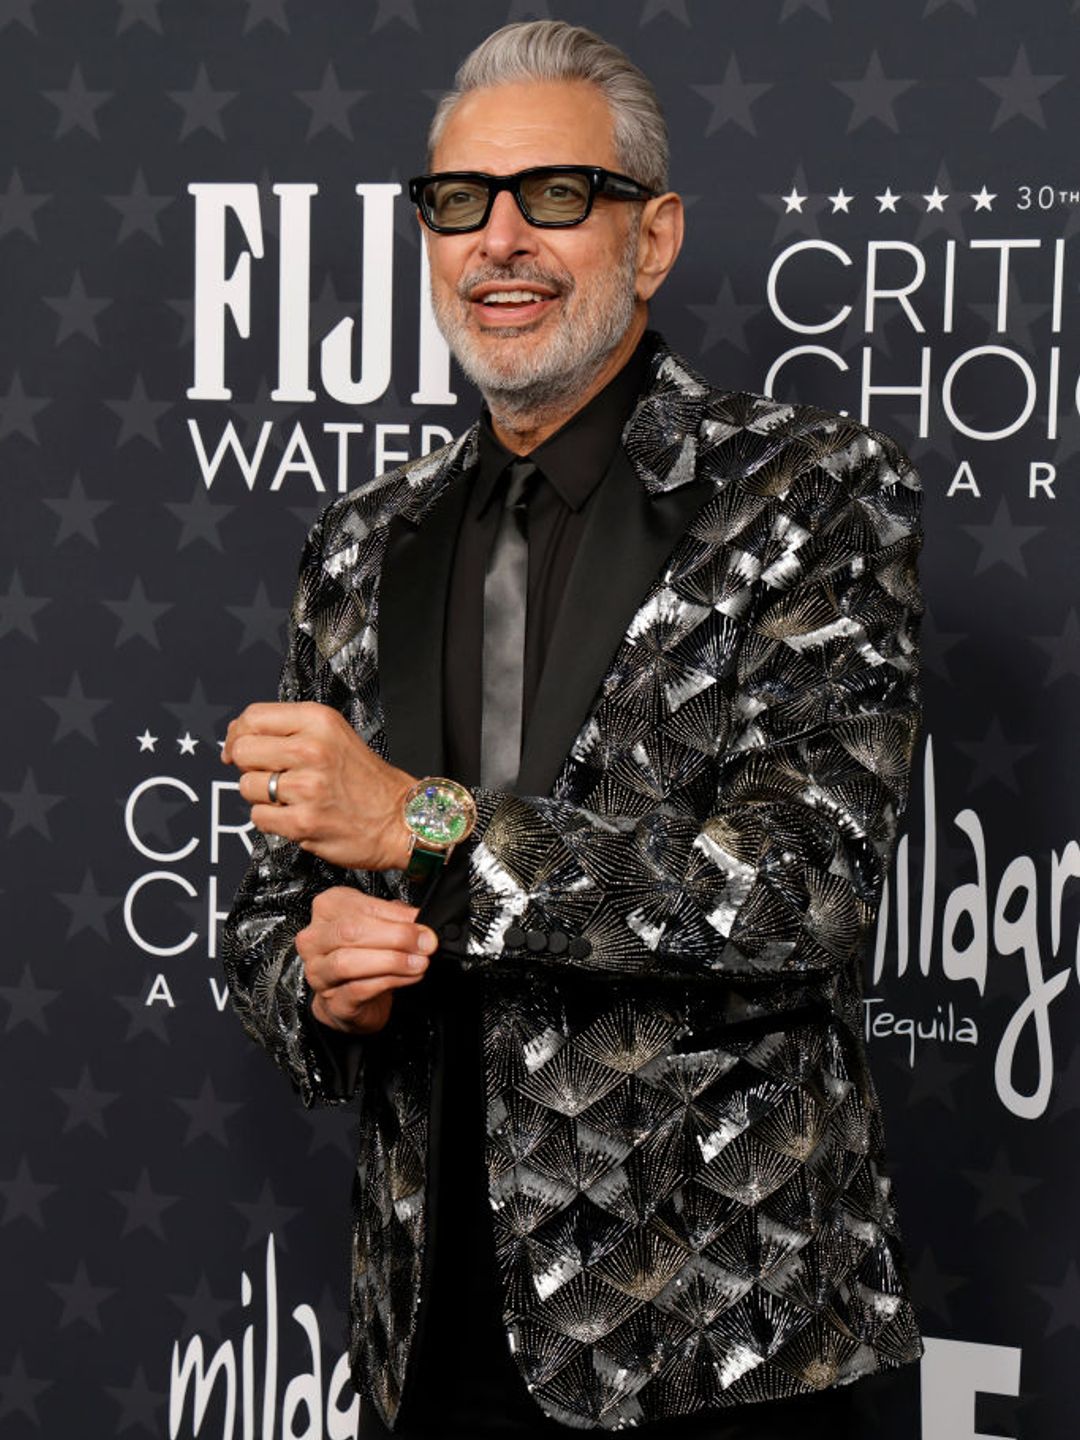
(512, 297)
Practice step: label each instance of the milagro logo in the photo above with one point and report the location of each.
(244, 1382)
(1016, 914)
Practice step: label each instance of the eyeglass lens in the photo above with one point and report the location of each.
(551, 196)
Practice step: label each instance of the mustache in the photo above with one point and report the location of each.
(560, 282)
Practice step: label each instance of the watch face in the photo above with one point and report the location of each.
(439, 812)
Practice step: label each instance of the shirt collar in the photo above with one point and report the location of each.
(576, 457)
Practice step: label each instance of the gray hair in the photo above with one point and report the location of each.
(555, 50)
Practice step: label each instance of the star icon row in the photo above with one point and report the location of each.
(888, 200)
(186, 743)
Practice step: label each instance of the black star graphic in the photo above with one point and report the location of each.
(186, 310)
(524, 10)
(873, 97)
(17, 411)
(819, 7)
(202, 1311)
(75, 711)
(17, 207)
(138, 616)
(86, 1104)
(725, 319)
(732, 99)
(932, 1077)
(263, 622)
(403, 10)
(1063, 1300)
(1018, 319)
(19, 1393)
(1020, 92)
(17, 609)
(934, 646)
(1063, 649)
(332, 1127)
(932, 1287)
(143, 1207)
(1001, 542)
(144, 1019)
(330, 105)
(87, 908)
(78, 312)
(675, 8)
(202, 106)
(139, 210)
(139, 1405)
(269, 11)
(21, 11)
(200, 519)
(29, 807)
(265, 1217)
(23, 1197)
(207, 1114)
(1000, 1189)
(82, 1299)
(139, 12)
(994, 757)
(28, 1002)
(77, 106)
(77, 514)
(138, 416)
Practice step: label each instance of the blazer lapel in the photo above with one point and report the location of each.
(412, 610)
(628, 536)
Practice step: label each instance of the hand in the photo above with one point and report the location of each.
(336, 797)
(356, 951)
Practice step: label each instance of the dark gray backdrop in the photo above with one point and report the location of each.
(165, 1204)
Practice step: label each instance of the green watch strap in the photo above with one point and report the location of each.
(425, 864)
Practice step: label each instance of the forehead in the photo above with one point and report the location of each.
(510, 127)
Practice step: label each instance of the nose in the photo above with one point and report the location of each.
(507, 232)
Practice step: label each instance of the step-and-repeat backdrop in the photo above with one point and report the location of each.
(214, 321)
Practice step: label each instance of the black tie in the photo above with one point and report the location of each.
(505, 592)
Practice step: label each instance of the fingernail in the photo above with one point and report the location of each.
(417, 962)
(427, 941)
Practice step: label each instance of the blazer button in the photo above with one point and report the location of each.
(450, 931)
(536, 940)
(557, 942)
(580, 947)
(514, 938)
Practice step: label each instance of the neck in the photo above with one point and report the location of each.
(522, 430)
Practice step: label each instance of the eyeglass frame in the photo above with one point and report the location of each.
(601, 182)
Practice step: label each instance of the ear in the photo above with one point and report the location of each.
(659, 242)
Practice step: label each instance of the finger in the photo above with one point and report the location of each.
(271, 752)
(347, 999)
(346, 964)
(375, 932)
(284, 717)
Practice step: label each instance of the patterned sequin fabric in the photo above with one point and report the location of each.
(684, 1143)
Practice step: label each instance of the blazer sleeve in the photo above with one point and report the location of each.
(264, 973)
(774, 867)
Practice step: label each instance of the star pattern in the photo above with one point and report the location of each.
(1020, 92)
(874, 97)
(732, 100)
(330, 105)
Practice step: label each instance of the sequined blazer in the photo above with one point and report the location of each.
(685, 1161)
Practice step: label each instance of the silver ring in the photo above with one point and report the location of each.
(272, 788)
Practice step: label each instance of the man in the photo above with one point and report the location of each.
(668, 666)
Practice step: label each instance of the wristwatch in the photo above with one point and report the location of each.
(438, 813)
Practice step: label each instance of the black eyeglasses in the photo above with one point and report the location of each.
(457, 201)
